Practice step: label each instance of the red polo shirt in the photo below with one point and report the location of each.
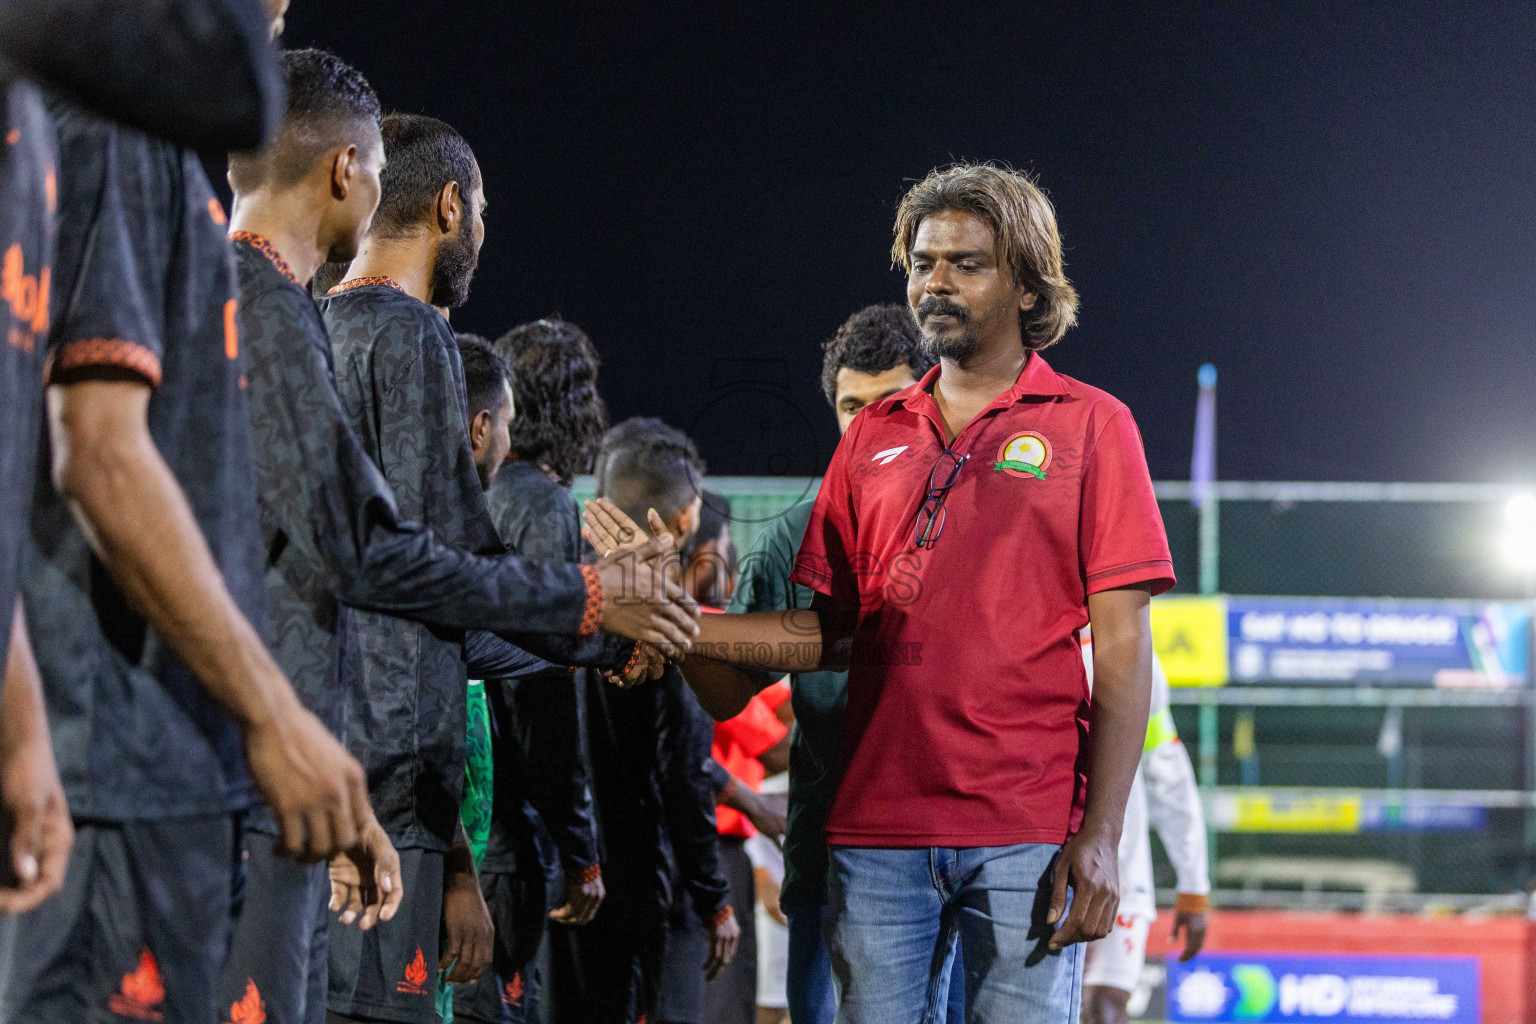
(967, 700)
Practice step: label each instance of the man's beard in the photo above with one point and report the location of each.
(455, 266)
(956, 348)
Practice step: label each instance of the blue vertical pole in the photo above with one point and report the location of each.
(1202, 480)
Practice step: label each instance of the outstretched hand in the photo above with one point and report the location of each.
(648, 664)
(608, 528)
(641, 598)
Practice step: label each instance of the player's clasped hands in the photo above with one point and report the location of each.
(647, 664)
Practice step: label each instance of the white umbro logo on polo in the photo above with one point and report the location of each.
(885, 457)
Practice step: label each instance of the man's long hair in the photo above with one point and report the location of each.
(560, 416)
(1024, 224)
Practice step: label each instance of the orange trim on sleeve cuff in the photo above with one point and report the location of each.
(634, 659)
(112, 352)
(592, 614)
(723, 915)
(1191, 903)
(587, 875)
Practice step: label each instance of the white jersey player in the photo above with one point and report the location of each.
(1164, 795)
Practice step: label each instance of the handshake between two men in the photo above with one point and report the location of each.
(643, 594)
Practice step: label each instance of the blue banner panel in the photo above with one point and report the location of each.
(1381, 816)
(1379, 642)
(1238, 988)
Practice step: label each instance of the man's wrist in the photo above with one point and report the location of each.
(459, 864)
(254, 690)
(23, 724)
(577, 875)
(1097, 830)
(730, 796)
(1191, 903)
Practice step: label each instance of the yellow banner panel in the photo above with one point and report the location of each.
(1263, 812)
(1190, 636)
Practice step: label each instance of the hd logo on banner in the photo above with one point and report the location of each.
(1234, 988)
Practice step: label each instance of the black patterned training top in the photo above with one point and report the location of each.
(28, 195)
(402, 389)
(146, 289)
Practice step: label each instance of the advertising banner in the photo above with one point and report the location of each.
(1343, 812)
(1242, 987)
(1190, 637)
(1295, 640)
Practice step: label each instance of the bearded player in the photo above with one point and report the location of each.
(401, 385)
(329, 521)
(951, 842)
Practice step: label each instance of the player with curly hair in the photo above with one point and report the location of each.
(560, 415)
(541, 851)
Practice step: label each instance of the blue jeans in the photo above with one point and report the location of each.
(809, 987)
(811, 996)
(894, 917)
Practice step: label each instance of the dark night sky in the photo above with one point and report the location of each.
(1332, 202)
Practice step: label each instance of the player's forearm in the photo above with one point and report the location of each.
(403, 569)
(460, 858)
(488, 656)
(23, 720)
(600, 650)
(1122, 688)
(787, 641)
(691, 823)
(1173, 805)
(137, 520)
(723, 689)
(738, 796)
(1116, 731)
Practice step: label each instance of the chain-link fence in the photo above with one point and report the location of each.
(1321, 794)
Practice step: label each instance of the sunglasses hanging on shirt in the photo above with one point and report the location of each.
(930, 516)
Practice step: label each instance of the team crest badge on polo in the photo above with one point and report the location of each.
(1025, 454)
(886, 457)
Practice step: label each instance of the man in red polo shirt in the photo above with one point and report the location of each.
(967, 528)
